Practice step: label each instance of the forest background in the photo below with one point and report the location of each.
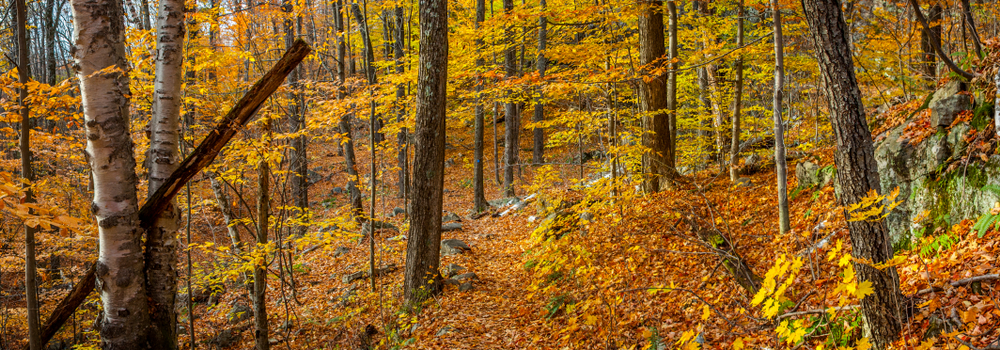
(644, 204)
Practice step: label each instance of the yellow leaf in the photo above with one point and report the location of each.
(863, 344)
(738, 344)
(590, 320)
(705, 312)
(864, 289)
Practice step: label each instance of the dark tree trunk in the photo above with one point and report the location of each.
(653, 94)
(51, 22)
(401, 138)
(261, 331)
(670, 151)
(357, 210)
(369, 67)
(734, 146)
(538, 154)
(928, 38)
(971, 23)
(479, 192)
(27, 173)
(512, 116)
(298, 159)
(423, 248)
(857, 171)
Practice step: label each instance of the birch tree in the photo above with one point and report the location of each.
(162, 160)
(99, 52)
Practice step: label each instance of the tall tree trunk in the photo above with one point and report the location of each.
(935, 42)
(512, 115)
(144, 13)
(653, 93)
(99, 40)
(670, 151)
(779, 127)
(402, 138)
(857, 171)
(27, 174)
(734, 146)
(261, 331)
(973, 32)
(369, 67)
(538, 154)
(228, 216)
(163, 158)
(479, 192)
(423, 248)
(298, 160)
(51, 22)
(357, 210)
(928, 38)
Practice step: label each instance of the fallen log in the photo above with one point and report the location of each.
(202, 156)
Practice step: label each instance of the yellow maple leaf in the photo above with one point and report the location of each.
(738, 344)
(864, 289)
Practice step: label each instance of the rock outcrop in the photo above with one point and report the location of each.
(936, 187)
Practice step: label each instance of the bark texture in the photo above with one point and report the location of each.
(856, 167)
(298, 159)
(479, 182)
(538, 153)
(734, 146)
(162, 160)
(423, 248)
(27, 173)
(512, 115)
(653, 92)
(781, 169)
(99, 50)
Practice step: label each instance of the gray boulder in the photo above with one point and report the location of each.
(225, 338)
(397, 211)
(467, 276)
(452, 269)
(451, 226)
(239, 313)
(453, 247)
(807, 173)
(947, 102)
(465, 287)
(451, 217)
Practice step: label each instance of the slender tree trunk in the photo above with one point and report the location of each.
(51, 22)
(228, 216)
(298, 160)
(144, 13)
(479, 193)
(163, 158)
(27, 174)
(99, 35)
(857, 171)
(369, 67)
(779, 128)
(670, 151)
(357, 210)
(935, 42)
(538, 154)
(423, 248)
(402, 138)
(653, 93)
(734, 146)
(512, 116)
(973, 32)
(261, 331)
(928, 39)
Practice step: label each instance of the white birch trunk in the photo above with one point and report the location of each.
(162, 160)
(99, 50)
